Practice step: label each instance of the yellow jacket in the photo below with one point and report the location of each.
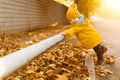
(86, 34)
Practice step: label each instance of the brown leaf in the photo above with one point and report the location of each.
(62, 77)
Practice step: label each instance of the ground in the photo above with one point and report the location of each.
(110, 31)
(62, 61)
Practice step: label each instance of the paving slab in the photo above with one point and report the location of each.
(89, 62)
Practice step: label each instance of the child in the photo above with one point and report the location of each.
(85, 32)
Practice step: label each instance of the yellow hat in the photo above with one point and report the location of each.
(72, 12)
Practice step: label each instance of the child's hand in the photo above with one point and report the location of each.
(63, 33)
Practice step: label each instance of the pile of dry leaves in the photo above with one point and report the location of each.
(63, 61)
(104, 69)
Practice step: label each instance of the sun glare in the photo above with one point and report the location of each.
(113, 4)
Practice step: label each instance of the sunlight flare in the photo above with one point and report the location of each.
(113, 4)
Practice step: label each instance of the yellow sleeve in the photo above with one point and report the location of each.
(74, 30)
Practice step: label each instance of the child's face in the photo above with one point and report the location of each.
(73, 20)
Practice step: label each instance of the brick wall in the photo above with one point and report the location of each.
(25, 15)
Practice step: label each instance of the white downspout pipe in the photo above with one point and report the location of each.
(13, 61)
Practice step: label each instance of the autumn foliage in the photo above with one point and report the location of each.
(88, 7)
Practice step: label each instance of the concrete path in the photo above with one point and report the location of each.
(110, 31)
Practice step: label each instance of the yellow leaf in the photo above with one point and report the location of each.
(62, 77)
(30, 71)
